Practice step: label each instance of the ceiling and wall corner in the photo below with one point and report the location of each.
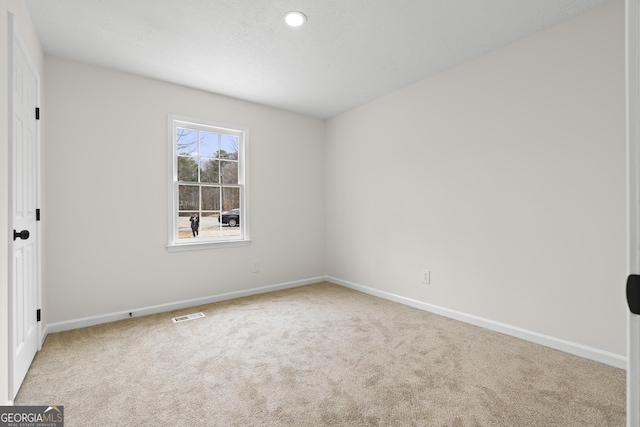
(347, 53)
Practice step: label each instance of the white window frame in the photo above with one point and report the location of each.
(175, 244)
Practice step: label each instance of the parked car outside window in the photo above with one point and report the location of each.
(231, 218)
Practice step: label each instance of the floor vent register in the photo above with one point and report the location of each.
(187, 317)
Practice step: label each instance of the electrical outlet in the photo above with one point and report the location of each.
(256, 267)
(426, 277)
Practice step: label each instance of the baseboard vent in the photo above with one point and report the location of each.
(187, 317)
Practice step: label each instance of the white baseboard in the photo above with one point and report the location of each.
(580, 350)
(144, 311)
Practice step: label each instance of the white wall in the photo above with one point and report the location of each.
(30, 38)
(106, 195)
(504, 176)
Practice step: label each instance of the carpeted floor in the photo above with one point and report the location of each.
(318, 355)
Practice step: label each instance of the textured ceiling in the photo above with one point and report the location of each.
(349, 51)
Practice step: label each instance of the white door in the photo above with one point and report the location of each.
(24, 268)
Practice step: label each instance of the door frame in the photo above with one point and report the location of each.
(14, 37)
(632, 14)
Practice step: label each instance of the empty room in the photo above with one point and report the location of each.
(379, 213)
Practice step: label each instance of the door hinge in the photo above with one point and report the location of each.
(38, 315)
(37, 113)
(37, 214)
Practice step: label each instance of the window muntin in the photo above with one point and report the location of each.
(209, 181)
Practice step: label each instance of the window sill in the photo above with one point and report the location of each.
(199, 246)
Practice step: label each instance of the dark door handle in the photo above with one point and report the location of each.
(633, 293)
(24, 234)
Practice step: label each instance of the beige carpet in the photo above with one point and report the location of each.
(319, 355)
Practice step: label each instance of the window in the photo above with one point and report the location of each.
(208, 184)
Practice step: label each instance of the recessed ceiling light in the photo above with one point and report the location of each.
(295, 18)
